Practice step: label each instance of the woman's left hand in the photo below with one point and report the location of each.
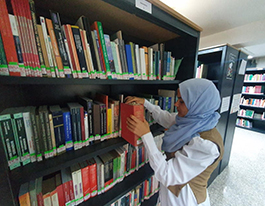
(137, 127)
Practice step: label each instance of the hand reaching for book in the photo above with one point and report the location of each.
(137, 126)
(131, 99)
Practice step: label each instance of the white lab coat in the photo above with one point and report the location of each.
(189, 162)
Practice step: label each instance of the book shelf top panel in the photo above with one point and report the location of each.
(113, 18)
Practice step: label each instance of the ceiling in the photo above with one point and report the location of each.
(240, 23)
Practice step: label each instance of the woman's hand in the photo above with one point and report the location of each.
(137, 127)
(131, 99)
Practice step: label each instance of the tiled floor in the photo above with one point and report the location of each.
(242, 182)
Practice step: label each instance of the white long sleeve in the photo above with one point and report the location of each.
(162, 117)
(189, 162)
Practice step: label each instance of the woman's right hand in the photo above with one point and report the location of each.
(131, 99)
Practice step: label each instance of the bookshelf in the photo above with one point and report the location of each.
(223, 63)
(180, 36)
(253, 90)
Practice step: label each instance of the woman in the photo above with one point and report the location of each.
(193, 147)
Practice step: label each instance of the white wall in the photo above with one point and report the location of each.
(261, 62)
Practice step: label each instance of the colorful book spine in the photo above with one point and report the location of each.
(129, 60)
(8, 41)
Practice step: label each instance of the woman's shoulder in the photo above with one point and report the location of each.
(202, 145)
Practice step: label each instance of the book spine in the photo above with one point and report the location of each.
(20, 133)
(29, 134)
(80, 51)
(23, 39)
(36, 136)
(67, 131)
(104, 57)
(55, 48)
(8, 41)
(32, 41)
(95, 48)
(60, 42)
(78, 127)
(3, 62)
(43, 135)
(86, 47)
(82, 125)
(14, 28)
(102, 71)
(115, 59)
(93, 179)
(132, 45)
(34, 21)
(129, 61)
(9, 143)
(110, 56)
(85, 182)
(47, 45)
(104, 49)
(48, 133)
(72, 51)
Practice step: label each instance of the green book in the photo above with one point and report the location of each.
(8, 140)
(104, 49)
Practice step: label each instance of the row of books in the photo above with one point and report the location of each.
(246, 113)
(243, 123)
(258, 89)
(139, 194)
(251, 114)
(201, 71)
(252, 102)
(32, 133)
(82, 181)
(254, 77)
(50, 49)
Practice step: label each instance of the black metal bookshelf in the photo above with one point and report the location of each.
(180, 36)
(258, 125)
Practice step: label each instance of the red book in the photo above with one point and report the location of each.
(18, 8)
(126, 111)
(93, 177)
(133, 163)
(85, 179)
(8, 41)
(67, 185)
(59, 189)
(33, 43)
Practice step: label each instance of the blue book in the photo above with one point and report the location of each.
(129, 60)
(168, 63)
(67, 129)
(57, 116)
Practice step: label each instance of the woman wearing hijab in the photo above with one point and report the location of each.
(192, 145)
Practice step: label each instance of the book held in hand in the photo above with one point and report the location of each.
(127, 110)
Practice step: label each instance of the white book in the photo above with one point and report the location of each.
(137, 55)
(86, 143)
(142, 63)
(150, 65)
(119, 60)
(29, 134)
(47, 44)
